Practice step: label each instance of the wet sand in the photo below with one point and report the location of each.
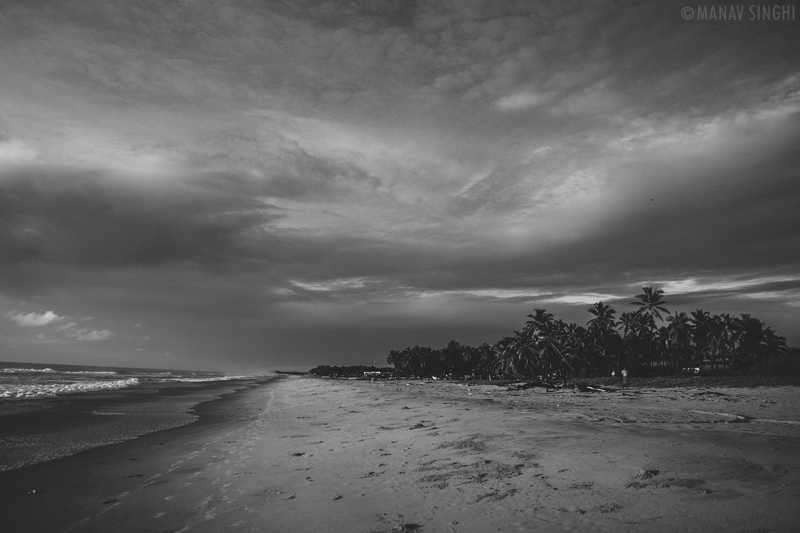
(304, 454)
(34, 431)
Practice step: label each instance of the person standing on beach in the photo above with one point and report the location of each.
(624, 378)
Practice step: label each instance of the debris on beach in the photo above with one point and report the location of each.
(707, 393)
(642, 476)
(531, 384)
(646, 474)
(402, 527)
(609, 508)
(585, 387)
(549, 385)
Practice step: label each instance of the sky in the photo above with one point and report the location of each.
(259, 185)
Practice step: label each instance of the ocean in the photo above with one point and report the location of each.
(52, 411)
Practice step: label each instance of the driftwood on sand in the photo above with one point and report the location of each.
(535, 383)
(585, 387)
(547, 385)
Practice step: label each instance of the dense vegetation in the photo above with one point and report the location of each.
(347, 371)
(648, 341)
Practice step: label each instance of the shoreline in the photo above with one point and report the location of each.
(38, 430)
(28, 491)
(304, 454)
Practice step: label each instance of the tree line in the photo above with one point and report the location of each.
(347, 371)
(647, 341)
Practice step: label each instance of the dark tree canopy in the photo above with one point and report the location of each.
(648, 341)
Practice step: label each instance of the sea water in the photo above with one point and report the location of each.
(52, 411)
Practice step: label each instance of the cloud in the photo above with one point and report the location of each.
(522, 100)
(86, 335)
(332, 285)
(583, 299)
(722, 284)
(15, 152)
(33, 319)
(89, 218)
(300, 174)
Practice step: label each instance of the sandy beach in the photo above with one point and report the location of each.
(305, 454)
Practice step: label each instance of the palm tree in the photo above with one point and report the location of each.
(772, 345)
(540, 318)
(681, 335)
(603, 317)
(702, 326)
(488, 361)
(631, 324)
(547, 340)
(575, 346)
(601, 328)
(399, 360)
(729, 336)
(752, 336)
(664, 346)
(453, 358)
(517, 355)
(419, 361)
(651, 303)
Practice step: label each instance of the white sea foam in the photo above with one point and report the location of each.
(112, 417)
(203, 380)
(25, 370)
(52, 371)
(23, 383)
(48, 390)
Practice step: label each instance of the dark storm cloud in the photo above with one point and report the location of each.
(87, 218)
(689, 218)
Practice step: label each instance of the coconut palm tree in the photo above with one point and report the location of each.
(752, 337)
(772, 345)
(681, 336)
(399, 360)
(540, 318)
(664, 347)
(575, 347)
(517, 355)
(651, 303)
(601, 329)
(452, 358)
(488, 361)
(547, 340)
(702, 326)
(603, 317)
(632, 325)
